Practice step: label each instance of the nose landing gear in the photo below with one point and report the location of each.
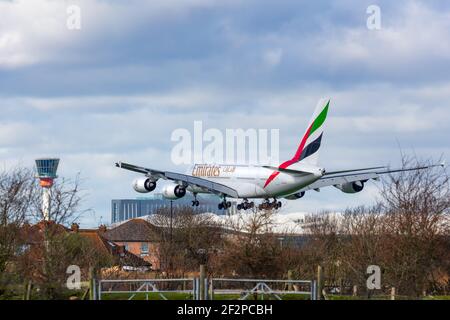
(195, 202)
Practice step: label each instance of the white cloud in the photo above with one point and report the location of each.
(273, 57)
(36, 31)
(16, 133)
(415, 35)
(30, 31)
(183, 99)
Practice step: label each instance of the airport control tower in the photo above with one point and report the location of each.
(46, 173)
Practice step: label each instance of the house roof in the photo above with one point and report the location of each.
(34, 234)
(96, 239)
(137, 230)
(126, 258)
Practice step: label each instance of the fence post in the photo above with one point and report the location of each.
(99, 290)
(211, 289)
(355, 290)
(28, 289)
(196, 288)
(91, 284)
(319, 282)
(393, 293)
(202, 282)
(313, 290)
(290, 285)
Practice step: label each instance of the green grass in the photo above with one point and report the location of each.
(436, 298)
(143, 296)
(187, 296)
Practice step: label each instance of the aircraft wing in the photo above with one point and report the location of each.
(341, 177)
(182, 179)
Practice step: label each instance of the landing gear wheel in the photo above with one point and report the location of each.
(265, 205)
(246, 205)
(195, 202)
(224, 204)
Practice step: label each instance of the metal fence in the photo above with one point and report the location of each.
(132, 288)
(244, 289)
(210, 289)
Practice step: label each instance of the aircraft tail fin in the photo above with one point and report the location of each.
(308, 150)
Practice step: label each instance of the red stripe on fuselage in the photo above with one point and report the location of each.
(295, 159)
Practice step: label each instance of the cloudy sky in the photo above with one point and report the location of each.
(137, 70)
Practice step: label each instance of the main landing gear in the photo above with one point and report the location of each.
(245, 205)
(224, 204)
(195, 202)
(267, 205)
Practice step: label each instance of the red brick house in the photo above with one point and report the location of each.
(33, 236)
(138, 237)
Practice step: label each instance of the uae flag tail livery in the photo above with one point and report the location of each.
(308, 149)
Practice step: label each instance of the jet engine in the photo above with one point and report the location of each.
(295, 196)
(173, 191)
(351, 187)
(144, 185)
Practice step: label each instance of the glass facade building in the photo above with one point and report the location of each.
(125, 209)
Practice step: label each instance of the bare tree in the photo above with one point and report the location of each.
(251, 248)
(47, 261)
(416, 225)
(323, 245)
(16, 195)
(66, 198)
(43, 259)
(186, 239)
(361, 240)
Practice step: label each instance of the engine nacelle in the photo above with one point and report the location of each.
(295, 196)
(144, 185)
(173, 191)
(351, 187)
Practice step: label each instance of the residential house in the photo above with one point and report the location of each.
(139, 237)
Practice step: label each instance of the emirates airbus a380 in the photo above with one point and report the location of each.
(289, 180)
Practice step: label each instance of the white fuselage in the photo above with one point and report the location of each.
(252, 181)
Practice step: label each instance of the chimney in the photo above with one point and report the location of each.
(102, 229)
(75, 227)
